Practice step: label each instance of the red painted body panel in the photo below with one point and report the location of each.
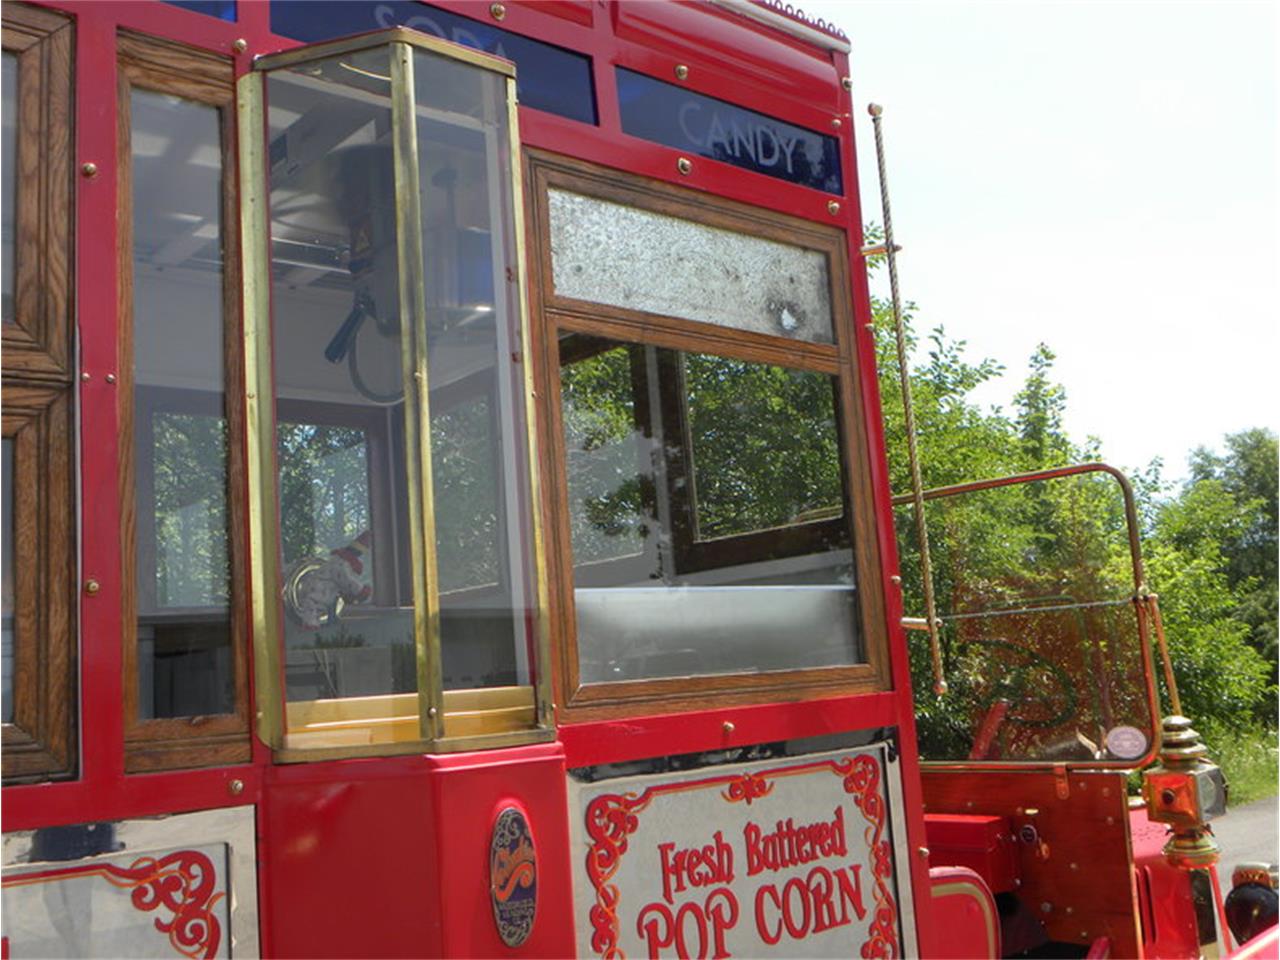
(407, 840)
(389, 856)
(1164, 893)
(964, 907)
(983, 844)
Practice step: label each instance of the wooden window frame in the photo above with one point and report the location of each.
(553, 314)
(39, 403)
(165, 67)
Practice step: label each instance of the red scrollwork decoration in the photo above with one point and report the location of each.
(611, 819)
(182, 884)
(748, 787)
(862, 781)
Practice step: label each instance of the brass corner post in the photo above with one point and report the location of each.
(413, 357)
(260, 465)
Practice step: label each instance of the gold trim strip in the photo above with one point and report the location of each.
(417, 408)
(264, 574)
(366, 41)
(542, 664)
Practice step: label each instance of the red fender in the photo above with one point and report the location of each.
(964, 907)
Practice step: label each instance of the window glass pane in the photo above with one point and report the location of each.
(1034, 586)
(551, 78)
(8, 176)
(6, 584)
(774, 561)
(336, 322)
(185, 662)
(477, 421)
(679, 268)
(763, 444)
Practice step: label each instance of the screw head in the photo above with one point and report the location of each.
(728, 727)
(833, 207)
(685, 166)
(110, 378)
(240, 45)
(89, 169)
(85, 376)
(92, 586)
(497, 11)
(235, 787)
(835, 123)
(922, 853)
(847, 83)
(682, 71)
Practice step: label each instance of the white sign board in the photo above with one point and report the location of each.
(787, 857)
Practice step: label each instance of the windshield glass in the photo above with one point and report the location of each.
(1042, 645)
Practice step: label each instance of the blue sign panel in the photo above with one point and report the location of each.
(222, 9)
(702, 125)
(547, 77)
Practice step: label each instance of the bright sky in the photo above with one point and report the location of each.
(1099, 176)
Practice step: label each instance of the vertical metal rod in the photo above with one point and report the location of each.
(264, 551)
(1175, 701)
(542, 625)
(417, 407)
(917, 486)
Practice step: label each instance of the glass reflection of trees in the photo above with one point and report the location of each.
(706, 514)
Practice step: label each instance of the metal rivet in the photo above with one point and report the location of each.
(110, 378)
(832, 207)
(922, 853)
(85, 377)
(728, 727)
(1075, 866)
(1111, 821)
(89, 169)
(235, 787)
(685, 166)
(497, 11)
(895, 579)
(682, 72)
(847, 83)
(835, 123)
(431, 711)
(92, 586)
(1046, 907)
(1070, 910)
(240, 46)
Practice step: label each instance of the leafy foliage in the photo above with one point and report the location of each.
(1210, 548)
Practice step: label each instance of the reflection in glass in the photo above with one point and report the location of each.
(185, 663)
(706, 514)
(8, 179)
(763, 444)
(6, 583)
(340, 334)
(1041, 649)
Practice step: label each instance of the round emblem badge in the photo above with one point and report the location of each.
(1127, 743)
(513, 876)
